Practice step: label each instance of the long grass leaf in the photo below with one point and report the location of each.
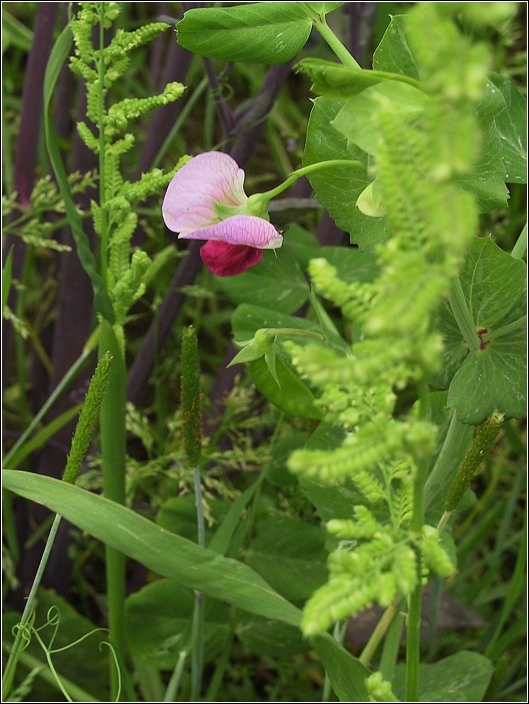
(163, 552)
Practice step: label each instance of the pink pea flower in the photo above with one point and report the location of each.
(206, 201)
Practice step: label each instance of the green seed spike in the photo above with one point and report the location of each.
(88, 418)
(191, 397)
(482, 445)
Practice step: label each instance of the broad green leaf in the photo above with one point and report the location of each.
(291, 396)
(179, 515)
(463, 677)
(158, 621)
(357, 120)
(487, 178)
(278, 281)
(263, 32)
(291, 554)
(512, 127)
(159, 550)
(352, 264)
(339, 82)
(58, 56)
(270, 638)
(324, 142)
(492, 281)
(493, 377)
(393, 54)
(348, 675)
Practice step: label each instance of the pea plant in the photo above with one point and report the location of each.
(372, 378)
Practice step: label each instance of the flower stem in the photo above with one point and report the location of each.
(295, 175)
(335, 44)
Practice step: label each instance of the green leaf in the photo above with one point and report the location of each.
(325, 142)
(487, 179)
(58, 56)
(340, 82)
(348, 675)
(393, 54)
(15, 33)
(491, 378)
(463, 677)
(42, 436)
(492, 281)
(270, 638)
(291, 554)
(291, 396)
(158, 622)
(352, 264)
(512, 128)
(159, 550)
(357, 119)
(264, 32)
(278, 281)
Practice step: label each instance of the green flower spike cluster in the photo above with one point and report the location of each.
(114, 217)
(421, 157)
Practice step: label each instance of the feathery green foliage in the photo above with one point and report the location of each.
(419, 158)
(115, 219)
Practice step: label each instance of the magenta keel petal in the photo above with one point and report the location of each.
(227, 259)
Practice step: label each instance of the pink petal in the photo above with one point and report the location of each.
(240, 229)
(228, 259)
(209, 178)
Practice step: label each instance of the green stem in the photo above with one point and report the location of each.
(378, 634)
(463, 316)
(413, 623)
(113, 461)
(18, 645)
(521, 244)
(176, 678)
(335, 44)
(295, 175)
(197, 651)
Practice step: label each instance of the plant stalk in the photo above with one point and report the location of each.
(113, 461)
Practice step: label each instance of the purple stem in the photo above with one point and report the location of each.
(27, 147)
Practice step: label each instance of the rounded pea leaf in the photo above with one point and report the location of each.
(262, 32)
(493, 377)
(325, 142)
